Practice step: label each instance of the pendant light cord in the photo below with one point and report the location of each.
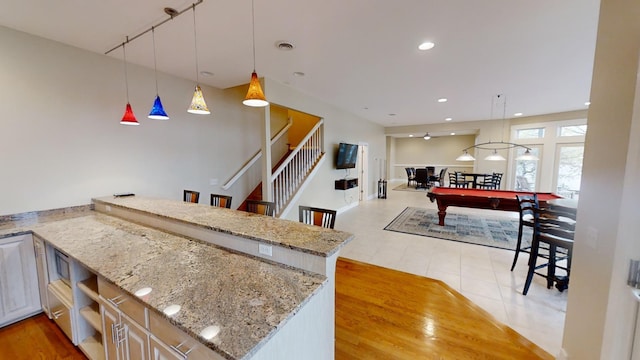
(195, 43)
(155, 65)
(126, 80)
(253, 36)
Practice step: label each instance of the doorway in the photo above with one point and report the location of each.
(363, 182)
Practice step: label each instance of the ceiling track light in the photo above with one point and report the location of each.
(255, 96)
(157, 110)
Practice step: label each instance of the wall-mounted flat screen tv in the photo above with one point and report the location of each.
(347, 156)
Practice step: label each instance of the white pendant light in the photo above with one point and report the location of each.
(495, 156)
(527, 156)
(198, 105)
(465, 157)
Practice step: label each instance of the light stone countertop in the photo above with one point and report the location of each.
(246, 297)
(290, 234)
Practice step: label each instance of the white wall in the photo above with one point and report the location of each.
(339, 126)
(600, 309)
(61, 142)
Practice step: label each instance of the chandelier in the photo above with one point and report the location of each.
(494, 146)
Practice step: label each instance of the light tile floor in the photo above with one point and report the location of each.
(480, 273)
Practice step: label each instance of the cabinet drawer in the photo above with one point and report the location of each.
(60, 312)
(177, 339)
(123, 302)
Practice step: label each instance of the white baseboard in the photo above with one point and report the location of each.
(562, 355)
(347, 207)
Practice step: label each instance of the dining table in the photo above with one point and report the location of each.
(475, 178)
(564, 204)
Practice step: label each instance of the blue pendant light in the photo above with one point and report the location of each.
(157, 111)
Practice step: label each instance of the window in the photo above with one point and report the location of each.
(536, 133)
(569, 170)
(526, 174)
(573, 130)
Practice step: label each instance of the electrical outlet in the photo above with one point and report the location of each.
(265, 249)
(213, 182)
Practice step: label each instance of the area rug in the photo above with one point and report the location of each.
(404, 187)
(473, 229)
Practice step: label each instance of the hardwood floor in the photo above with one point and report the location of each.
(380, 314)
(387, 314)
(36, 338)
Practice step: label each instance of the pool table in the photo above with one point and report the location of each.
(481, 199)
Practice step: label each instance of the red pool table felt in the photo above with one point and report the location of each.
(481, 199)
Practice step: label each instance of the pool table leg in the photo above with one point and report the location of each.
(442, 212)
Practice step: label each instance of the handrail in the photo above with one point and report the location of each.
(297, 149)
(255, 157)
(287, 179)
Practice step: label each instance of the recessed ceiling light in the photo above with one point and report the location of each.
(441, 100)
(588, 103)
(453, 133)
(517, 114)
(427, 45)
(410, 135)
(206, 73)
(285, 45)
(448, 119)
(298, 74)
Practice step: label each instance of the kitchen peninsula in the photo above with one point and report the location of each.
(235, 306)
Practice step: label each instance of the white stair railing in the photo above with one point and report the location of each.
(288, 177)
(227, 185)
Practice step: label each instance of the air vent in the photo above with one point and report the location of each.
(285, 45)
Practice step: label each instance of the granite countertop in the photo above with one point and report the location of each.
(291, 234)
(247, 298)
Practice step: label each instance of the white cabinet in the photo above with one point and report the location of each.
(61, 308)
(136, 340)
(131, 332)
(19, 294)
(43, 274)
(123, 338)
(110, 322)
(160, 351)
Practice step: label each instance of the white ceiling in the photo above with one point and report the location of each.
(360, 55)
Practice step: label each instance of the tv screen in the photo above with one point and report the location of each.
(347, 156)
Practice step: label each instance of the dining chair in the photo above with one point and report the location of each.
(556, 229)
(411, 175)
(526, 206)
(497, 179)
(261, 207)
(317, 216)
(191, 196)
(456, 179)
(221, 200)
(487, 182)
(422, 178)
(440, 178)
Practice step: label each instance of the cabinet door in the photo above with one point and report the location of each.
(61, 313)
(160, 351)
(137, 340)
(43, 275)
(110, 324)
(19, 295)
